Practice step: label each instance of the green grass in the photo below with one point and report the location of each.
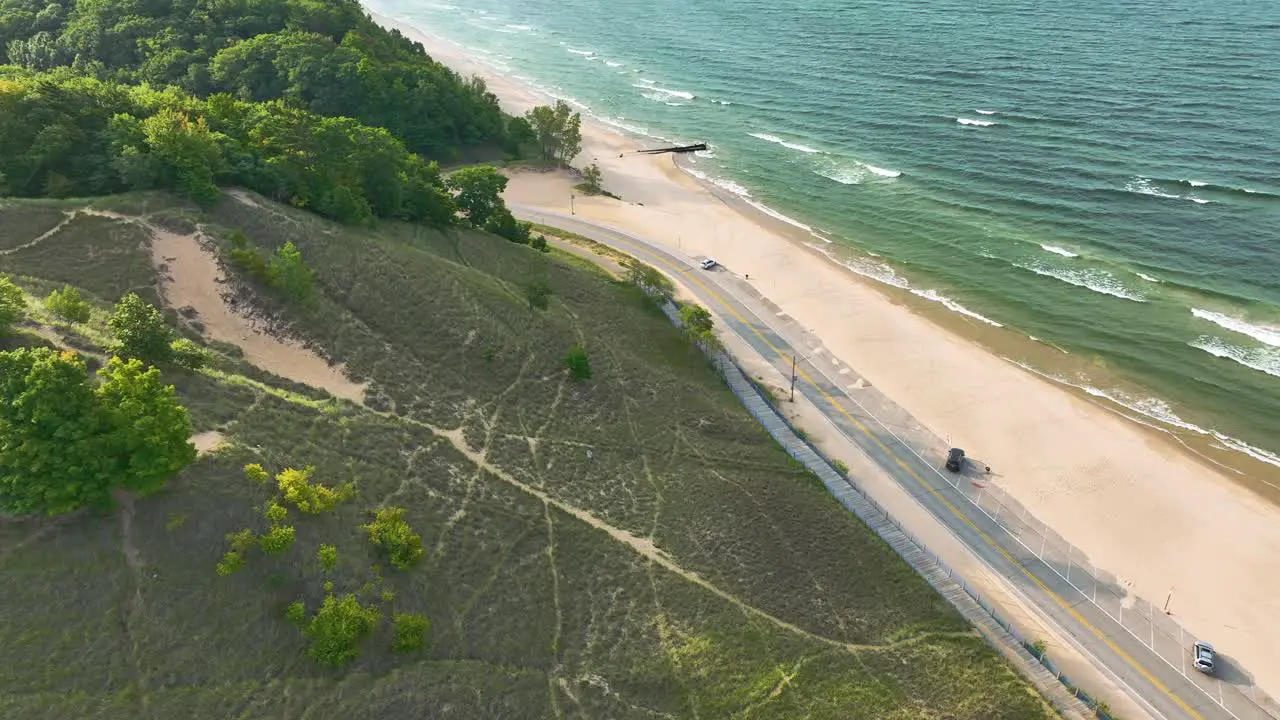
(534, 612)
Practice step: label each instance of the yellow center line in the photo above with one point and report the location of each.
(688, 272)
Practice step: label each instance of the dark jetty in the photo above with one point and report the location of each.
(680, 149)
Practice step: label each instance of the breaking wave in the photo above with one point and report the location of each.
(976, 123)
(1262, 359)
(779, 141)
(1096, 280)
(1262, 333)
(1058, 251)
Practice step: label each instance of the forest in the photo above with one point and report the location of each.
(308, 102)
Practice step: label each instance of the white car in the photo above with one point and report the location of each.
(708, 264)
(1202, 657)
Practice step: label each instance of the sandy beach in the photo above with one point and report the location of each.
(1134, 502)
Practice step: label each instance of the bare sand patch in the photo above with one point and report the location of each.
(192, 278)
(207, 442)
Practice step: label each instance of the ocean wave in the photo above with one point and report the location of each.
(1257, 358)
(843, 175)
(779, 141)
(1262, 333)
(1096, 280)
(976, 123)
(1058, 251)
(954, 306)
(985, 112)
(584, 53)
(722, 102)
(882, 172)
(721, 183)
(612, 63)
(649, 85)
(1211, 187)
(1146, 277)
(1146, 186)
(521, 28)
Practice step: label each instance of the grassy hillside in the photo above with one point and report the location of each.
(629, 546)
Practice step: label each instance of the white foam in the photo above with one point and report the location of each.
(954, 306)
(729, 185)
(1198, 201)
(722, 102)
(985, 112)
(1058, 251)
(1148, 278)
(976, 123)
(1144, 186)
(522, 28)
(1261, 359)
(1253, 452)
(1095, 280)
(777, 215)
(882, 172)
(1262, 333)
(1197, 183)
(584, 53)
(843, 175)
(779, 141)
(708, 154)
(611, 63)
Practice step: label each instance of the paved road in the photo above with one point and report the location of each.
(1161, 687)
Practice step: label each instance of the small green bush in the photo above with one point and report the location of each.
(538, 294)
(840, 467)
(298, 489)
(68, 305)
(327, 555)
(410, 632)
(578, 364)
(539, 243)
(1039, 647)
(296, 613)
(188, 354)
(276, 540)
(337, 629)
(140, 331)
(390, 533)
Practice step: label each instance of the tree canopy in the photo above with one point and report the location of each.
(479, 192)
(12, 304)
(67, 442)
(557, 131)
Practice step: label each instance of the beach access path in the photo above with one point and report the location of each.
(1160, 688)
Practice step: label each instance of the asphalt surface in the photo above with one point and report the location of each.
(1158, 685)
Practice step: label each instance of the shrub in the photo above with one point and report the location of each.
(391, 534)
(188, 354)
(539, 243)
(1039, 647)
(68, 305)
(239, 545)
(337, 629)
(140, 330)
(840, 467)
(591, 179)
(327, 555)
(288, 273)
(276, 540)
(296, 613)
(12, 304)
(255, 473)
(577, 362)
(410, 632)
(538, 294)
(297, 488)
(275, 512)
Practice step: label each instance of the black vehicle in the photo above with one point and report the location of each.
(955, 460)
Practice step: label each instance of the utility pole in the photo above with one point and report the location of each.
(571, 211)
(793, 377)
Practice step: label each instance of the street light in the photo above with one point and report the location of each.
(793, 373)
(571, 212)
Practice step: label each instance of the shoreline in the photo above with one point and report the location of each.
(1138, 505)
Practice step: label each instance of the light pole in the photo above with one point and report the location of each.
(793, 373)
(571, 212)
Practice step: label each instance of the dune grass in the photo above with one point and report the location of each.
(545, 595)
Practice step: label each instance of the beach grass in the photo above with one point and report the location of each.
(629, 546)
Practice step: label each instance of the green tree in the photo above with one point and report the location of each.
(391, 534)
(557, 132)
(66, 443)
(289, 273)
(238, 546)
(337, 628)
(68, 304)
(140, 330)
(12, 304)
(188, 153)
(577, 363)
(695, 319)
(479, 192)
(539, 243)
(591, 179)
(410, 632)
(504, 224)
(150, 436)
(296, 613)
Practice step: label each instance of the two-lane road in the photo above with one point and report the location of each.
(1159, 686)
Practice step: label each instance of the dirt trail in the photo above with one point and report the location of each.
(191, 279)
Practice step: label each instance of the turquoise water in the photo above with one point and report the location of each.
(1100, 175)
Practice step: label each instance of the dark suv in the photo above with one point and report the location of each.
(955, 460)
